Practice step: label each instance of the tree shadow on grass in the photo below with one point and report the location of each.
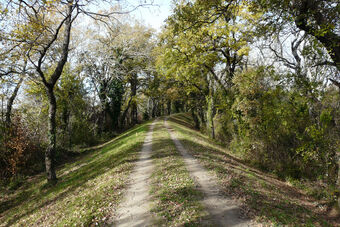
(179, 121)
(182, 199)
(97, 163)
(173, 202)
(262, 193)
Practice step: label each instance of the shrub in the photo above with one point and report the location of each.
(20, 154)
(275, 129)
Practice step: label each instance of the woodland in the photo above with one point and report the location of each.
(261, 78)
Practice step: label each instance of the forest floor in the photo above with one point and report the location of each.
(161, 173)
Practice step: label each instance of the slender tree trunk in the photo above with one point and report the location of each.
(212, 115)
(195, 118)
(11, 101)
(212, 127)
(2, 109)
(69, 136)
(150, 107)
(125, 112)
(211, 106)
(201, 115)
(51, 149)
(65, 126)
(169, 107)
(134, 113)
(162, 110)
(154, 105)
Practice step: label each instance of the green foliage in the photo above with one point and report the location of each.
(115, 94)
(326, 118)
(275, 129)
(73, 125)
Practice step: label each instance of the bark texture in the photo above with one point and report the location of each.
(50, 151)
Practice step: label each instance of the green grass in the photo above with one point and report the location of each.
(264, 197)
(90, 188)
(175, 193)
(87, 192)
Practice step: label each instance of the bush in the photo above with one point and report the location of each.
(280, 130)
(20, 154)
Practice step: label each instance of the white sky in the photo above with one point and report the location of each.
(154, 16)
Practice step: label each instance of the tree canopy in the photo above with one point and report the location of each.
(261, 77)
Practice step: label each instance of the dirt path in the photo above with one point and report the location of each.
(223, 211)
(135, 208)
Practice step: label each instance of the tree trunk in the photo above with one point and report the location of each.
(134, 113)
(154, 108)
(336, 83)
(123, 117)
(65, 125)
(162, 109)
(328, 38)
(169, 107)
(212, 115)
(51, 148)
(11, 101)
(50, 82)
(195, 118)
(201, 115)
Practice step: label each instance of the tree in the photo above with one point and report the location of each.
(118, 63)
(43, 30)
(39, 48)
(204, 44)
(319, 19)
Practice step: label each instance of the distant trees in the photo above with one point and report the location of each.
(205, 53)
(117, 66)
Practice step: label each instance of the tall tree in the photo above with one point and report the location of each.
(43, 30)
(319, 19)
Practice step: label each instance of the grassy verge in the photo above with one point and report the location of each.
(175, 193)
(87, 192)
(264, 197)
